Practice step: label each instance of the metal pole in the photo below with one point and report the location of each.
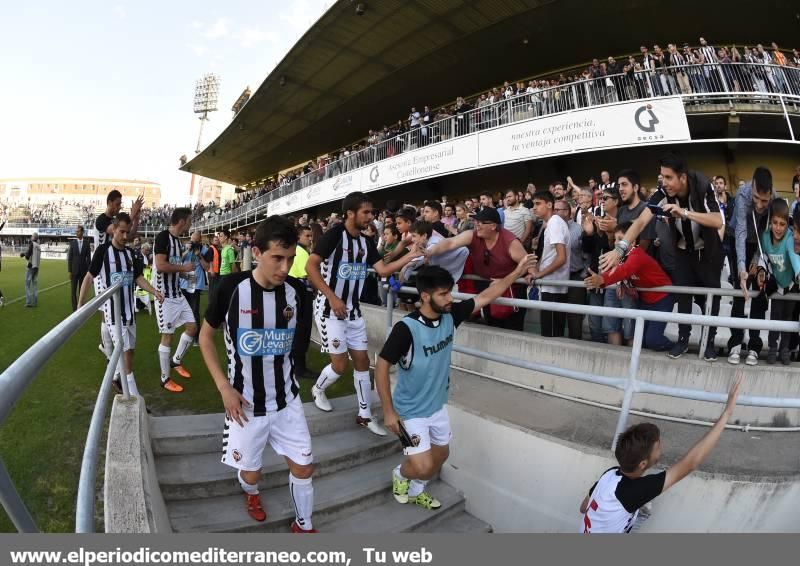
(630, 387)
(84, 503)
(13, 504)
(786, 115)
(389, 309)
(118, 333)
(704, 329)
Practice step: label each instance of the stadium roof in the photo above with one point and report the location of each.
(350, 73)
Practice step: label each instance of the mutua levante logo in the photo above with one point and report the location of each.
(264, 341)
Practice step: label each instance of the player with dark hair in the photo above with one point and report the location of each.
(261, 311)
(113, 262)
(421, 344)
(175, 311)
(337, 268)
(103, 232)
(613, 502)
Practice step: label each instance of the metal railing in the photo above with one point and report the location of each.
(764, 86)
(20, 374)
(629, 384)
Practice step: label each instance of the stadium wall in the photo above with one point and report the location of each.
(520, 481)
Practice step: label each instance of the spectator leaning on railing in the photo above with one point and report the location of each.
(495, 252)
(750, 221)
(688, 200)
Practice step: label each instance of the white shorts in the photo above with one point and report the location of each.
(172, 314)
(339, 336)
(285, 430)
(429, 430)
(128, 336)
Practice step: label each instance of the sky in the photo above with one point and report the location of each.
(105, 89)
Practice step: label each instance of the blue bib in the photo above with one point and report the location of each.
(422, 386)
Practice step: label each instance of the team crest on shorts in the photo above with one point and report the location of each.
(336, 343)
(237, 455)
(169, 325)
(288, 313)
(415, 440)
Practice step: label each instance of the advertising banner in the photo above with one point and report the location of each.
(639, 122)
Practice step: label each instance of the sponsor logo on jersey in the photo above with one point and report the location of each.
(124, 277)
(436, 348)
(248, 311)
(264, 341)
(352, 271)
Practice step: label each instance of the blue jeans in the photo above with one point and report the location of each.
(623, 325)
(32, 286)
(654, 338)
(596, 322)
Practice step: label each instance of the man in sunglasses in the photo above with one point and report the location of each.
(495, 252)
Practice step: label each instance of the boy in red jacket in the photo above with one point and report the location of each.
(642, 271)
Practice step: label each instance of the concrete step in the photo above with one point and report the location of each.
(388, 516)
(335, 496)
(195, 434)
(199, 476)
(460, 523)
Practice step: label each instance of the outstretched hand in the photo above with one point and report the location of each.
(594, 281)
(733, 394)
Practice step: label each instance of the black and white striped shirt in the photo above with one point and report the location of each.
(709, 53)
(170, 246)
(100, 226)
(109, 265)
(260, 327)
(345, 260)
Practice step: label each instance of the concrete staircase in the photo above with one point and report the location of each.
(352, 480)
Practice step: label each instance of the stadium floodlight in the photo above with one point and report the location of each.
(206, 94)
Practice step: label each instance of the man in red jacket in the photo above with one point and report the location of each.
(642, 271)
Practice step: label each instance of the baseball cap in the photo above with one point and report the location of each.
(487, 215)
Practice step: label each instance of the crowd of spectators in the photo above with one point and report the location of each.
(687, 230)
(671, 70)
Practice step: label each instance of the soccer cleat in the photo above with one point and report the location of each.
(170, 385)
(425, 500)
(320, 399)
(752, 358)
(371, 426)
(679, 349)
(182, 371)
(254, 508)
(710, 354)
(734, 357)
(296, 529)
(399, 488)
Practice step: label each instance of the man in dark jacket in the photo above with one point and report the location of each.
(78, 259)
(688, 201)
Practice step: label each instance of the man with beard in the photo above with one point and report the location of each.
(628, 182)
(337, 269)
(422, 344)
(689, 202)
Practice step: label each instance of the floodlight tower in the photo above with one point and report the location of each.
(206, 92)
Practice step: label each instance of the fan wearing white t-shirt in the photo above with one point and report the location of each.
(613, 502)
(553, 252)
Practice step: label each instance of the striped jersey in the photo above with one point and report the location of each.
(170, 246)
(259, 332)
(109, 265)
(100, 226)
(345, 260)
(615, 499)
